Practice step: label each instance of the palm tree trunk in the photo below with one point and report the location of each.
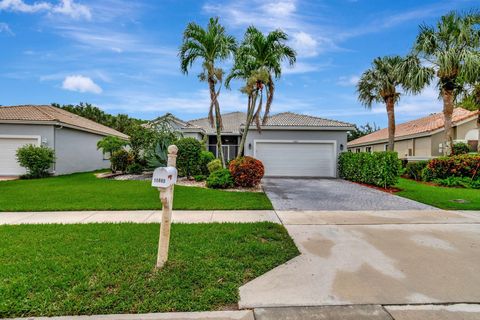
(391, 123)
(250, 109)
(271, 90)
(218, 121)
(448, 106)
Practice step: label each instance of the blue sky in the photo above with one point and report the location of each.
(121, 55)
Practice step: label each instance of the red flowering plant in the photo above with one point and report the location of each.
(463, 165)
(246, 171)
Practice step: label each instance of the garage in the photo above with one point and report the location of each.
(297, 158)
(8, 148)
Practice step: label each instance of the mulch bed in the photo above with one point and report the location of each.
(391, 190)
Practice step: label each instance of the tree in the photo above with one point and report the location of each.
(361, 131)
(110, 144)
(211, 45)
(257, 61)
(451, 48)
(471, 101)
(380, 84)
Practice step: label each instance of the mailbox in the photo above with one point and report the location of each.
(164, 177)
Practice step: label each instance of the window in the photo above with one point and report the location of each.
(368, 149)
(385, 147)
(357, 150)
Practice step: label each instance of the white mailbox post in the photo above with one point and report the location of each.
(164, 179)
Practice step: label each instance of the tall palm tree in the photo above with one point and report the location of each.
(452, 50)
(381, 84)
(257, 61)
(210, 45)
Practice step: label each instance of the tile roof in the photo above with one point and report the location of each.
(231, 123)
(425, 126)
(234, 120)
(53, 114)
(302, 120)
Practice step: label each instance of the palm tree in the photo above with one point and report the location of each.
(257, 61)
(381, 82)
(210, 45)
(451, 48)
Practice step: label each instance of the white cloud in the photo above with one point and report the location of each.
(304, 44)
(72, 9)
(65, 7)
(81, 84)
(348, 81)
(5, 29)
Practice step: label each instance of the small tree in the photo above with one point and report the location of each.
(36, 159)
(188, 157)
(110, 144)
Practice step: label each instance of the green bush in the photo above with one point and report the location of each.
(463, 165)
(214, 165)
(381, 169)
(110, 144)
(205, 158)
(134, 168)
(120, 160)
(200, 177)
(460, 148)
(413, 170)
(463, 182)
(36, 160)
(188, 158)
(220, 179)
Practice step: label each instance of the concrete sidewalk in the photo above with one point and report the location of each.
(143, 216)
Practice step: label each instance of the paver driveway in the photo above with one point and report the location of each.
(332, 194)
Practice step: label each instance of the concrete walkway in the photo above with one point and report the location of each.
(142, 216)
(374, 258)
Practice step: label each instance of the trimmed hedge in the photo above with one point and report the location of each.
(463, 165)
(380, 169)
(220, 179)
(414, 170)
(188, 158)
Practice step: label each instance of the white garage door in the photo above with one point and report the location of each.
(8, 148)
(300, 159)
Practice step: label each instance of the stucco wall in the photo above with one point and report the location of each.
(44, 131)
(339, 136)
(464, 128)
(76, 151)
(423, 147)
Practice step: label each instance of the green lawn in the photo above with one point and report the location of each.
(48, 270)
(440, 197)
(83, 191)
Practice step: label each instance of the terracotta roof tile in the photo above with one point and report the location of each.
(302, 120)
(418, 126)
(50, 113)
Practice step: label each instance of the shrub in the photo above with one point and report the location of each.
(135, 168)
(464, 165)
(214, 165)
(246, 171)
(413, 170)
(460, 148)
(220, 179)
(378, 168)
(36, 160)
(120, 160)
(458, 182)
(200, 177)
(205, 158)
(188, 158)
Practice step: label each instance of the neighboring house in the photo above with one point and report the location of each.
(289, 144)
(422, 138)
(73, 138)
